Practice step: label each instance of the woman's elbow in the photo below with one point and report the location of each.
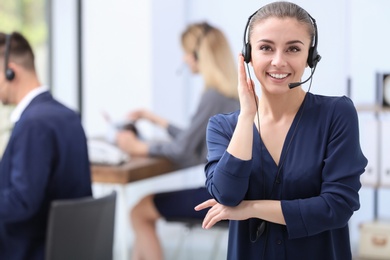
(226, 196)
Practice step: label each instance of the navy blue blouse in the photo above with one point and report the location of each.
(317, 182)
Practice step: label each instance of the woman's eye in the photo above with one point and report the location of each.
(265, 48)
(293, 49)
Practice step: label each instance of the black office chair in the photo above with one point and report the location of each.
(193, 223)
(81, 229)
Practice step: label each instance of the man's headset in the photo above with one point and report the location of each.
(9, 73)
(205, 29)
(312, 59)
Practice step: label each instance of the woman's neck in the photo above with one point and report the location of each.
(279, 106)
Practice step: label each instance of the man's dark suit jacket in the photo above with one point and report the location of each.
(46, 159)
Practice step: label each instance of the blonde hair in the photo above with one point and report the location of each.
(216, 63)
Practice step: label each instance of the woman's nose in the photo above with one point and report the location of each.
(278, 59)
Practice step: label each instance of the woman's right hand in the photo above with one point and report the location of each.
(140, 114)
(128, 142)
(246, 91)
(147, 115)
(241, 143)
(219, 212)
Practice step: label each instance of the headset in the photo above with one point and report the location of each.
(9, 73)
(206, 28)
(312, 59)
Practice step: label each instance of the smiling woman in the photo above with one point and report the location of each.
(27, 17)
(293, 157)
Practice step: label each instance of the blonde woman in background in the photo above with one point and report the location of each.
(207, 52)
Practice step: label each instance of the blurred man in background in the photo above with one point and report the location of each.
(45, 159)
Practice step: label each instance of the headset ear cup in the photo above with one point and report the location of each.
(9, 74)
(247, 52)
(311, 57)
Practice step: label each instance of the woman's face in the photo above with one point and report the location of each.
(191, 62)
(279, 52)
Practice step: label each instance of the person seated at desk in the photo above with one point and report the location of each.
(46, 157)
(207, 52)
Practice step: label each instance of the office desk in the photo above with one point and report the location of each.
(136, 169)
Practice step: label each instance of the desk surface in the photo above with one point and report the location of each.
(137, 168)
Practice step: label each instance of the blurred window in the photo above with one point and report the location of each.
(28, 17)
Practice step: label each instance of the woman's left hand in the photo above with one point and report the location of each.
(219, 212)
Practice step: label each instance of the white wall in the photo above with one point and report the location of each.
(117, 39)
(64, 51)
(168, 74)
(369, 42)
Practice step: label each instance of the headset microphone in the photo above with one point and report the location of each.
(296, 84)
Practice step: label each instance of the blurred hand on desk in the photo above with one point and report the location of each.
(148, 115)
(128, 142)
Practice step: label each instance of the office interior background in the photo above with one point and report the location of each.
(111, 57)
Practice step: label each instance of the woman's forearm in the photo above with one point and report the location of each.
(269, 210)
(240, 145)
